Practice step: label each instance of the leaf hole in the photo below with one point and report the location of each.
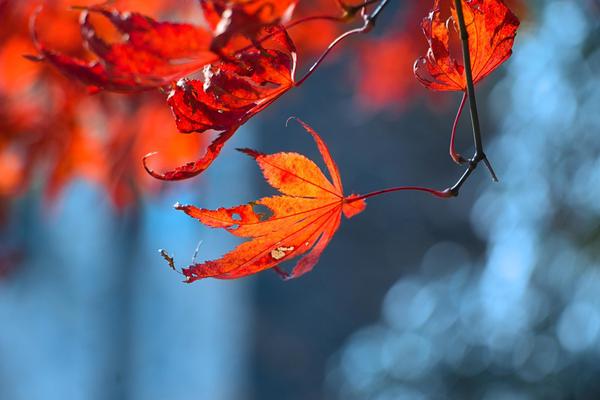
(264, 213)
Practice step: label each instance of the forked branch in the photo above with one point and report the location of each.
(479, 155)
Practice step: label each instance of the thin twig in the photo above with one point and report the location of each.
(331, 46)
(373, 16)
(369, 21)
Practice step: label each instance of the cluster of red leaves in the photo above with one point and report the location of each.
(244, 55)
(49, 128)
(241, 75)
(220, 75)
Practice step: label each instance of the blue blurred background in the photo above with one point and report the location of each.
(493, 295)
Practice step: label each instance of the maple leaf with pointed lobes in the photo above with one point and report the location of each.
(233, 91)
(152, 53)
(491, 27)
(303, 219)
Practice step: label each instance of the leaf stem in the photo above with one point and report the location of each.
(453, 153)
(444, 194)
(479, 153)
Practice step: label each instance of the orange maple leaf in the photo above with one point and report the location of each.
(303, 218)
(491, 27)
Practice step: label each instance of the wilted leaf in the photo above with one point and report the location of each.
(192, 168)
(232, 91)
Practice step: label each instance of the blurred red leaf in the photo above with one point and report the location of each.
(128, 143)
(51, 129)
(151, 54)
(491, 27)
(385, 80)
(303, 218)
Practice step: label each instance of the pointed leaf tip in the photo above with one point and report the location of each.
(251, 152)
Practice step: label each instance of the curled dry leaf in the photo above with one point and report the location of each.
(491, 27)
(151, 54)
(232, 91)
(302, 219)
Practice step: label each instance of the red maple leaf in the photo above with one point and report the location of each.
(232, 91)
(491, 27)
(302, 219)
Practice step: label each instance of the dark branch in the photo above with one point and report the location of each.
(479, 153)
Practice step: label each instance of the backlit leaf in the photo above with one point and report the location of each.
(491, 27)
(301, 220)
